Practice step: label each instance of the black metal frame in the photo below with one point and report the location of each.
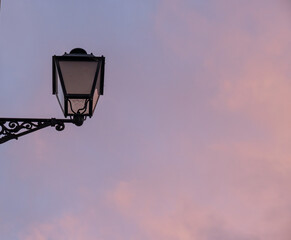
(13, 128)
(78, 56)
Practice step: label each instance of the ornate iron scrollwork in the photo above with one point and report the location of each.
(12, 128)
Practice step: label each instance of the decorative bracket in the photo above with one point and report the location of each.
(13, 128)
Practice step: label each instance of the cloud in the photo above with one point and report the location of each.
(244, 54)
(178, 218)
(66, 227)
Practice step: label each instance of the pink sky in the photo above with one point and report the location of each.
(191, 139)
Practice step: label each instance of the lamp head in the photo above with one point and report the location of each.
(78, 81)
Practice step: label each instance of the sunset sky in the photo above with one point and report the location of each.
(191, 140)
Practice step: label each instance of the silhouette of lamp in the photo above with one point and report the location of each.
(78, 80)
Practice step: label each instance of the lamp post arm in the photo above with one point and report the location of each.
(13, 128)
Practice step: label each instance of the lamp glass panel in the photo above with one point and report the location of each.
(97, 90)
(60, 93)
(95, 98)
(78, 106)
(78, 76)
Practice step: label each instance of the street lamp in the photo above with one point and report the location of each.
(78, 81)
